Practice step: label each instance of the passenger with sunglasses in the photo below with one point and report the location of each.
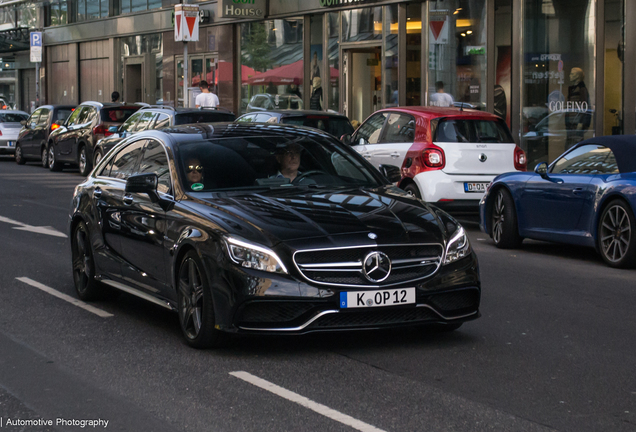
(194, 173)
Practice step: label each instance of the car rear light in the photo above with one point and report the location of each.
(54, 126)
(521, 162)
(433, 158)
(101, 130)
(4, 107)
(0, 133)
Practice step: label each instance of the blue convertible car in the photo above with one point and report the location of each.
(586, 197)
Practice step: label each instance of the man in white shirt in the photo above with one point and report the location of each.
(441, 98)
(206, 98)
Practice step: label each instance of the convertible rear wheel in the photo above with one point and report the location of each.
(196, 309)
(615, 240)
(503, 223)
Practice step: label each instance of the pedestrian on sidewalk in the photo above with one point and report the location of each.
(206, 98)
(115, 96)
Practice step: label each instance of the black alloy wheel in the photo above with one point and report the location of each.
(19, 157)
(196, 309)
(616, 241)
(54, 165)
(45, 157)
(85, 165)
(87, 287)
(503, 221)
(413, 190)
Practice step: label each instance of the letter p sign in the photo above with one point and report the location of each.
(36, 39)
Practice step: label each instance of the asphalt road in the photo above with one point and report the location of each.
(553, 350)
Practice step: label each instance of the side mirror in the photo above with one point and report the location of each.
(391, 172)
(144, 183)
(113, 129)
(23, 122)
(542, 169)
(362, 141)
(346, 138)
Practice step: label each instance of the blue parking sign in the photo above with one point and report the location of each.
(36, 39)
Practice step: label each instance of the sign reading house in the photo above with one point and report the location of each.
(242, 8)
(329, 3)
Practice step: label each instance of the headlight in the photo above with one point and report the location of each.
(458, 246)
(253, 256)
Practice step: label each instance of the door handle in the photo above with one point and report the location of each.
(128, 199)
(395, 155)
(97, 193)
(577, 190)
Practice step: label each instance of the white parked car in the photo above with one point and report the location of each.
(10, 125)
(448, 156)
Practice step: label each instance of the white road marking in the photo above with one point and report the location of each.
(25, 227)
(307, 403)
(65, 297)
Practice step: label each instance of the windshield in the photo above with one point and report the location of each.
(336, 126)
(203, 117)
(13, 117)
(241, 163)
(117, 115)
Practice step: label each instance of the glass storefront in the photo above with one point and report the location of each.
(391, 78)
(413, 54)
(558, 72)
(272, 65)
(457, 53)
(333, 30)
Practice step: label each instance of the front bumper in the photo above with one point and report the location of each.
(452, 295)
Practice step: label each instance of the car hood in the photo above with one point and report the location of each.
(332, 217)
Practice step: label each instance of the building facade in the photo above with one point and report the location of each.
(556, 70)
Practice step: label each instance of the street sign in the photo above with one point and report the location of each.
(186, 23)
(36, 47)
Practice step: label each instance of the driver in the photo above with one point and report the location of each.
(288, 159)
(194, 173)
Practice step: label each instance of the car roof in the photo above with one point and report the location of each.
(203, 131)
(623, 147)
(181, 110)
(431, 112)
(100, 105)
(297, 113)
(13, 112)
(57, 106)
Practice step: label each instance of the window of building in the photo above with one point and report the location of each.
(457, 53)
(362, 24)
(391, 93)
(127, 6)
(272, 63)
(58, 13)
(558, 72)
(28, 16)
(333, 29)
(413, 54)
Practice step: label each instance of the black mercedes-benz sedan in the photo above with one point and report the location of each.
(266, 228)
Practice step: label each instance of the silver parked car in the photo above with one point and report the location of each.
(10, 129)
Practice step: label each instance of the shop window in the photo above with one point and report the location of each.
(272, 63)
(558, 77)
(614, 46)
(316, 30)
(457, 53)
(58, 13)
(362, 24)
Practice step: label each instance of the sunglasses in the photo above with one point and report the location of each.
(197, 168)
(292, 153)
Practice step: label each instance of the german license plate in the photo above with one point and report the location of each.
(475, 187)
(377, 298)
(11, 143)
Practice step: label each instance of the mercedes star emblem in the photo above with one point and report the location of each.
(483, 157)
(376, 266)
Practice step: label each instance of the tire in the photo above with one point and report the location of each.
(19, 157)
(412, 189)
(615, 237)
(54, 165)
(195, 304)
(98, 157)
(88, 289)
(44, 156)
(504, 229)
(85, 165)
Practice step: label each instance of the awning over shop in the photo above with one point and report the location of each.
(288, 74)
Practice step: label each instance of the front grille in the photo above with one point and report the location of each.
(273, 311)
(344, 266)
(373, 318)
